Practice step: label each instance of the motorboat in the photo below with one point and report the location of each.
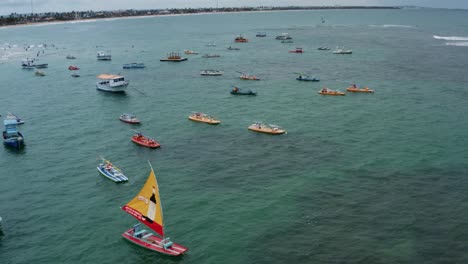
(356, 89)
(207, 56)
(101, 55)
(129, 118)
(261, 34)
(204, 118)
(245, 76)
(30, 64)
(174, 57)
(326, 91)
(70, 57)
(111, 83)
(239, 91)
(297, 50)
(341, 51)
(110, 171)
(283, 36)
(211, 73)
(11, 136)
(73, 68)
(232, 48)
(134, 65)
(266, 128)
(306, 78)
(188, 52)
(145, 141)
(241, 39)
(323, 48)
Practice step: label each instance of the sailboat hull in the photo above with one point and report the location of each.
(153, 242)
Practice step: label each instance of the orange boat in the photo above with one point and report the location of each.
(267, 129)
(356, 89)
(204, 118)
(241, 39)
(140, 139)
(326, 91)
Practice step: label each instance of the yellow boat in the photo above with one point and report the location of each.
(267, 129)
(326, 91)
(200, 117)
(356, 89)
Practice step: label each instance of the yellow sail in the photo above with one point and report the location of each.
(146, 206)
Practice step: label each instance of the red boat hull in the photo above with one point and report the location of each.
(146, 142)
(154, 243)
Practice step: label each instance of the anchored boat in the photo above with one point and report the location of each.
(129, 118)
(246, 76)
(73, 68)
(11, 136)
(190, 52)
(239, 91)
(111, 83)
(267, 128)
(341, 51)
(146, 208)
(134, 65)
(101, 55)
(297, 50)
(241, 39)
(326, 91)
(356, 89)
(204, 118)
(174, 57)
(305, 78)
(211, 73)
(110, 171)
(211, 56)
(142, 140)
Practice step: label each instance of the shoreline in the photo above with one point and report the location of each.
(224, 11)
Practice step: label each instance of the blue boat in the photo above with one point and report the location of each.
(306, 78)
(108, 170)
(134, 65)
(238, 91)
(11, 136)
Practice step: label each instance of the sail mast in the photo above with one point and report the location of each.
(160, 204)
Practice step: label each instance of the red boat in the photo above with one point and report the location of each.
(73, 68)
(297, 50)
(140, 139)
(241, 39)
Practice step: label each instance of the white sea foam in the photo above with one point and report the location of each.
(458, 44)
(451, 38)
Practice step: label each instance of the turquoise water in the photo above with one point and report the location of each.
(365, 178)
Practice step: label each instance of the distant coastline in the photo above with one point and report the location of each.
(15, 19)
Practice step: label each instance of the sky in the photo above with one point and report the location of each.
(39, 6)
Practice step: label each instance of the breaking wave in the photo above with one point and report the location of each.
(451, 38)
(458, 44)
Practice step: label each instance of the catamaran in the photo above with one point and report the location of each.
(146, 208)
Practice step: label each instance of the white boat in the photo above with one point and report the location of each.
(283, 36)
(342, 51)
(108, 170)
(111, 83)
(190, 52)
(101, 55)
(211, 72)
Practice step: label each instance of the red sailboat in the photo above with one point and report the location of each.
(142, 140)
(146, 208)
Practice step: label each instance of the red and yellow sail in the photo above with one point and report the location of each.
(146, 206)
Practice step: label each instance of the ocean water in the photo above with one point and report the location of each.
(364, 178)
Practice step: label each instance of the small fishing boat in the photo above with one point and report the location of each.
(142, 140)
(70, 57)
(241, 39)
(341, 51)
(189, 52)
(129, 118)
(323, 48)
(326, 91)
(75, 74)
(133, 65)
(305, 78)
(211, 73)
(174, 57)
(11, 136)
(283, 36)
(232, 48)
(111, 83)
(73, 68)
(245, 76)
(239, 91)
(261, 34)
(146, 207)
(356, 89)
(101, 55)
(206, 56)
(267, 128)
(287, 41)
(39, 73)
(204, 118)
(297, 50)
(110, 171)
(15, 117)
